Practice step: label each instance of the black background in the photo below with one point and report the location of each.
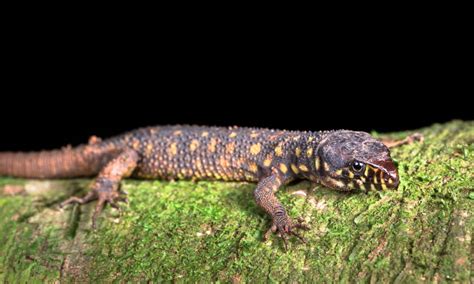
(59, 90)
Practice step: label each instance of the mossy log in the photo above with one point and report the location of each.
(212, 231)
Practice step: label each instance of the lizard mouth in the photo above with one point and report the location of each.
(384, 173)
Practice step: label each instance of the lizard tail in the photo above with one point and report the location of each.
(69, 162)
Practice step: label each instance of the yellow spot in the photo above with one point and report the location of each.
(375, 179)
(173, 149)
(384, 187)
(278, 180)
(340, 184)
(254, 134)
(283, 168)
(362, 179)
(194, 144)
(229, 148)
(303, 168)
(232, 135)
(336, 183)
(298, 151)
(149, 149)
(366, 171)
(136, 144)
(372, 187)
(294, 169)
(339, 172)
(253, 167)
(212, 145)
(358, 182)
(278, 151)
(198, 164)
(309, 152)
(255, 149)
(268, 161)
(351, 174)
(205, 134)
(326, 166)
(224, 163)
(296, 138)
(311, 138)
(177, 132)
(317, 163)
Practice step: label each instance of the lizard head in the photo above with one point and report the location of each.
(355, 160)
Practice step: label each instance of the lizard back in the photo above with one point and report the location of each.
(195, 152)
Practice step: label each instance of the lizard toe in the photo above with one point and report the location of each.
(285, 228)
(73, 200)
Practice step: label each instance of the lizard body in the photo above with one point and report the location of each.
(343, 160)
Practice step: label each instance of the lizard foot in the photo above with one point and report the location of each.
(103, 196)
(284, 228)
(415, 137)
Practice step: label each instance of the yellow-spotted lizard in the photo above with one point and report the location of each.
(343, 160)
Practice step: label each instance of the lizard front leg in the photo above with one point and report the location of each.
(415, 137)
(281, 222)
(106, 186)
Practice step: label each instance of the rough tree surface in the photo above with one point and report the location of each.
(212, 231)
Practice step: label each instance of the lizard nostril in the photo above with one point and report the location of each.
(396, 182)
(391, 179)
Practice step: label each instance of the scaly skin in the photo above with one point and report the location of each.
(343, 160)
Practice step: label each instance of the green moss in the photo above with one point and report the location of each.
(212, 231)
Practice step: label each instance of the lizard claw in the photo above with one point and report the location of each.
(103, 197)
(415, 137)
(114, 204)
(284, 228)
(73, 200)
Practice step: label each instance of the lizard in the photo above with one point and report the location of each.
(342, 159)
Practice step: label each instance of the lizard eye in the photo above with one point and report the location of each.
(358, 166)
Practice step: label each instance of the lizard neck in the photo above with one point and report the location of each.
(305, 155)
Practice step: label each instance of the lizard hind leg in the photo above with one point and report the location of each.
(106, 186)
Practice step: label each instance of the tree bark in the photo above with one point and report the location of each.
(212, 231)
